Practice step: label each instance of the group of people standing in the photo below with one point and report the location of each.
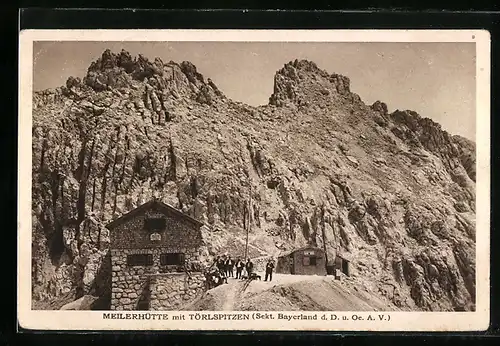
(226, 265)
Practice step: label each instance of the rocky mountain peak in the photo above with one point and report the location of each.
(123, 71)
(159, 90)
(299, 80)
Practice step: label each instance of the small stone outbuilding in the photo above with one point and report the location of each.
(304, 261)
(343, 264)
(155, 253)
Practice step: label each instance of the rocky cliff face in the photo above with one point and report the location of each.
(393, 191)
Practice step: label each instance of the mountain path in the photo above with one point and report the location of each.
(231, 296)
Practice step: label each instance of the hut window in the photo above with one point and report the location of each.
(140, 260)
(312, 260)
(171, 259)
(309, 261)
(155, 224)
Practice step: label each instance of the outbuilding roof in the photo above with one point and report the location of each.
(345, 256)
(287, 253)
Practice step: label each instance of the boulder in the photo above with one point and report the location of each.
(83, 303)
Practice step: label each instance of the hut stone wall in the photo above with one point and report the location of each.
(172, 291)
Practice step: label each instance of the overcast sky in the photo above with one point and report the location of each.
(437, 80)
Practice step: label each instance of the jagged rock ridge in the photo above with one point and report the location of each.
(392, 190)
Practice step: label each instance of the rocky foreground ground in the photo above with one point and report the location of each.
(393, 191)
(291, 293)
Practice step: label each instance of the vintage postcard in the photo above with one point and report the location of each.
(321, 180)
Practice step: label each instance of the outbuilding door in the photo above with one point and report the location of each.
(345, 267)
(291, 262)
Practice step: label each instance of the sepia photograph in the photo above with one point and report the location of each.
(267, 182)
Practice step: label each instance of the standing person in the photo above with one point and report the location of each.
(230, 267)
(224, 264)
(244, 271)
(216, 263)
(269, 270)
(239, 268)
(233, 264)
(249, 268)
(220, 265)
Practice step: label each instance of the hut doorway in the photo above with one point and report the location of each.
(342, 265)
(345, 267)
(143, 303)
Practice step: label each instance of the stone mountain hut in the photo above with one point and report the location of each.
(154, 256)
(304, 261)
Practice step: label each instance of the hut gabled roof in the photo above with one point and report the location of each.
(167, 209)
